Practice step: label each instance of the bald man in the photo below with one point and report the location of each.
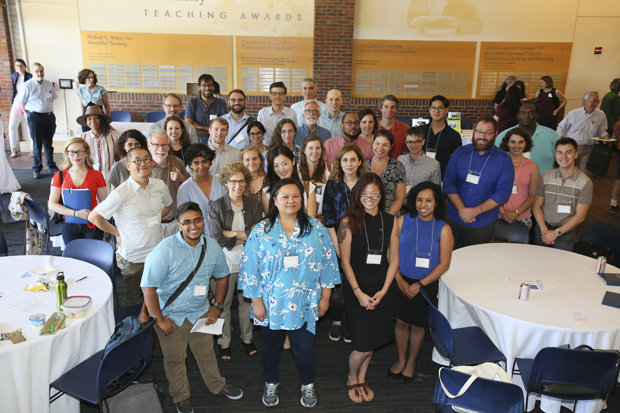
(331, 119)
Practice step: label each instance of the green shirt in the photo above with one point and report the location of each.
(611, 106)
(543, 151)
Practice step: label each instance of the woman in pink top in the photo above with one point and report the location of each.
(519, 206)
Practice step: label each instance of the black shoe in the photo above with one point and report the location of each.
(36, 175)
(613, 209)
(346, 336)
(406, 379)
(335, 331)
(53, 170)
(393, 376)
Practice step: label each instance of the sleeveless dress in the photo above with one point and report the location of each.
(374, 328)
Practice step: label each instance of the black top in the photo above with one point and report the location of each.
(499, 97)
(449, 141)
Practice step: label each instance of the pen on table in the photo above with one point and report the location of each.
(81, 279)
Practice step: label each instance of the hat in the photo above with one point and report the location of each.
(93, 110)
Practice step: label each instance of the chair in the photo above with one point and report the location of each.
(4, 248)
(121, 313)
(606, 235)
(153, 117)
(461, 346)
(515, 232)
(5, 213)
(120, 116)
(483, 396)
(96, 252)
(100, 377)
(404, 120)
(182, 115)
(569, 373)
(466, 123)
(38, 215)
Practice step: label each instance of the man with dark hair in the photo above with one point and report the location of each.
(478, 179)
(136, 206)
(270, 116)
(173, 106)
(238, 120)
(350, 134)
(202, 109)
(563, 197)
(178, 305)
(419, 167)
(440, 139)
(543, 138)
(389, 109)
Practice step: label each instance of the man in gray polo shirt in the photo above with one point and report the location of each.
(563, 197)
(419, 166)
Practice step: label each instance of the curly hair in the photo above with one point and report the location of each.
(119, 146)
(233, 168)
(83, 74)
(276, 137)
(519, 132)
(66, 162)
(184, 140)
(441, 199)
(196, 150)
(337, 172)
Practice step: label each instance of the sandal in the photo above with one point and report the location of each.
(367, 393)
(225, 352)
(354, 394)
(250, 348)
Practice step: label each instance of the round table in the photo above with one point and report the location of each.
(475, 291)
(29, 367)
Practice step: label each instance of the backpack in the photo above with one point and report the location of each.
(124, 330)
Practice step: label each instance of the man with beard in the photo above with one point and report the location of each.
(204, 108)
(169, 169)
(309, 126)
(543, 138)
(172, 107)
(350, 134)
(331, 119)
(309, 91)
(479, 178)
(237, 120)
(440, 139)
(225, 153)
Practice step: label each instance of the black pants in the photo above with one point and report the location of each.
(78, 231)
(42, 128)
(465, 236)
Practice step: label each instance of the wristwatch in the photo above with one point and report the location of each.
(559, 232)
(219, 306)
(420, 282)
(234, 234)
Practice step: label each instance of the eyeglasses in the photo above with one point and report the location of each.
(277, 93)
(139, 161)
(240, 182)
(371, 197)
(309, 111)
(236, 100)
(414, 142)
(207, 86)
(351, 123)
(437, 108)
(594, 101)
(256, 134)
(196, 221)
(159, 145)
(172, 106)
(79, 152)
(485, 133)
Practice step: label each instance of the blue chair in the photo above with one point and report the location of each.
(572, 374)
(120, 116)
(462, 346)
(4, 248)
(404, 120)
(182, 115)
(38, 215)
(515, 232)
(606, 235)
(103, 376)
(153, 117)
(123, 312)
(483, 396)
(96, 252)
(466, 123)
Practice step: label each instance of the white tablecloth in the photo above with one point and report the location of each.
(29, 367)
(475, 291)
(141, 126)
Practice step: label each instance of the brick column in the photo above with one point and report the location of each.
(5, 72)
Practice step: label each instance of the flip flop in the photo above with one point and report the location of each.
(354, 394)
(367, 393)
(225, 352)
(249, 348)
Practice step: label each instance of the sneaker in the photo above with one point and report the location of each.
(233, 393)
(613, 209)
(270, 395)
(347, 335)
(184, 406)
(308, 395)
(36, 175)
(335, 332)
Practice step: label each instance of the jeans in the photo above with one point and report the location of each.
(302, 346)
(42, 128)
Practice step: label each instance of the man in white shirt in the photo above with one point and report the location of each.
(238, 120)
(136, 206)
(309, 90)
(582, 125)
(331, 119)
(225, 154)
(273, 114)
(172, 106)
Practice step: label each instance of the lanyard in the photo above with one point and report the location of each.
(382, 233)
(428, 137)
(572, 194)
(417, 226)
(469, 171)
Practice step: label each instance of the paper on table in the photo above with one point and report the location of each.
(29, 304)
(515, 283)
(41, 270)
(215, 328)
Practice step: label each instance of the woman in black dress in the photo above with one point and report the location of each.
(371, 235)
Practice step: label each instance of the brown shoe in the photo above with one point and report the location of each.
(14, 153)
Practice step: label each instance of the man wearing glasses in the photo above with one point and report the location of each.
(440, 139)
(204, 108)
(237, 120)
(273, 114)
(479, 178)
(136, 206)
(582, 125)
(310, 126)
(169, 169)
(350, 134)
(172, 107)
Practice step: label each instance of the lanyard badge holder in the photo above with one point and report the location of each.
(566, 208)
(423, 259)
(432, 153)
(473, 178)
(374, 256)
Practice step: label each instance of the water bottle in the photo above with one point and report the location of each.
(61, 289)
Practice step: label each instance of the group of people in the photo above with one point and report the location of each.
(273, 209)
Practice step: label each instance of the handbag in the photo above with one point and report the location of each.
(488, 371)
(594, 251)
(55, 217)
(600, 158)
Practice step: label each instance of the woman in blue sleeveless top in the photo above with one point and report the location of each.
(424, 255)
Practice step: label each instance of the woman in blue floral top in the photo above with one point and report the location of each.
(288, 269)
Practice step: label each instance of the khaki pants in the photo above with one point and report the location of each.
(245, 304)
(174, 349)
(132, 275)
(584, 154)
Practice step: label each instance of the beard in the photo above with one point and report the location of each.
(479, 145)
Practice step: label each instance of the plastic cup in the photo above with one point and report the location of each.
(580, 318)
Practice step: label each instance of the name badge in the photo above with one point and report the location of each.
(550, 95)
(96, 166)
(200, 290)
(374, 259)
(408, 188)
(239, 138)
(472, 179)
(291, 262)
(563, 209)
(422, 262)
(431, 154)
(152, 221)
(514, 189)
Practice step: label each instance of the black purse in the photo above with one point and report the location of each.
(55, 217)
(594, 251)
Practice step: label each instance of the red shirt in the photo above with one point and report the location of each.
(332, 147)
(399, 130)
(93, 181)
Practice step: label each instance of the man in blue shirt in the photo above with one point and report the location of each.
(200, 110)
(479, 178)
(311, 114)
(36, 98)
(165, 269)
